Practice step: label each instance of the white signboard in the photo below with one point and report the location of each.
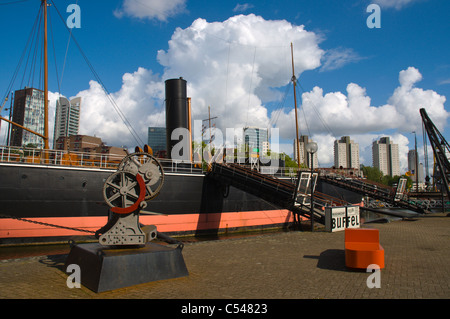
(339, 218)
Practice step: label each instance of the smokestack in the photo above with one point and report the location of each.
(176, 113)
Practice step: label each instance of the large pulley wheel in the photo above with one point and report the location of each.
(148, 168)
(124, 190)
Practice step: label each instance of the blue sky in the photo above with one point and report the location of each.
(235, 56)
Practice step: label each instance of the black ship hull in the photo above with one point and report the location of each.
(72, 197)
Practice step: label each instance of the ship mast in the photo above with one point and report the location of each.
(294, 80)
(46, 147)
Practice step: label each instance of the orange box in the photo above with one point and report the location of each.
(362, 248)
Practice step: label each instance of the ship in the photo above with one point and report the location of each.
(53, 196)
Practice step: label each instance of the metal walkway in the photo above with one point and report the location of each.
(387, 194)
(281, 193)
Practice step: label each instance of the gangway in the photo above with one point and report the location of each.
(278, 192)
(393, 196)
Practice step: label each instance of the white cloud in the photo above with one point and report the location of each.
(151, 9)
(138, 99)
(337, 58)
(242, 7)
(325, 144)
(239, 65)
(397, 4)
(408, 100)
(353, 114)
(233, 66)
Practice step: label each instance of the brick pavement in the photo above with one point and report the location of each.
(290, 265)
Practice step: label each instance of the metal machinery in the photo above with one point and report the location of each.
(124, 255)
(440, 150)
(139, 178)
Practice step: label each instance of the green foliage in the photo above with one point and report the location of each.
(289, 162)
(374, 174)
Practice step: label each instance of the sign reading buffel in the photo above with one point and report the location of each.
(339, 218)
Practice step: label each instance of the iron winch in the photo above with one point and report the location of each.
(138, 179)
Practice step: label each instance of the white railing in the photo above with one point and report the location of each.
(23, 155)
(110, 161)
(181, 167)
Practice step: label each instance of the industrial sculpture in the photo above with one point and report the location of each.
(139, 178)
(124, 255)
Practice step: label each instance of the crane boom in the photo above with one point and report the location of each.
(440, 148)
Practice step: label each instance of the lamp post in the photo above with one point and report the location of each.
(311, 148)
(416, 164)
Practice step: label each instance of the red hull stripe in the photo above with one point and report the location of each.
(12, 228)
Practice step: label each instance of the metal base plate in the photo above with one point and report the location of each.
(105, 268)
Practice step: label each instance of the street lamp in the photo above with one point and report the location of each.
(311, 148)
(416, 164)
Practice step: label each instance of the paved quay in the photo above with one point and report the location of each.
(286, 265)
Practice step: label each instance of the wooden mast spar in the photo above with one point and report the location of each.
(294, 80)
(46, 147)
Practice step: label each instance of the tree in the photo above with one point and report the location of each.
(388, 180)
(289, 162)
(373, 174)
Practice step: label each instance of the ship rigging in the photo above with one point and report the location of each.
(38, 42)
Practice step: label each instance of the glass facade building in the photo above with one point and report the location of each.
(157, 139)
(29, 112)
(256, 140)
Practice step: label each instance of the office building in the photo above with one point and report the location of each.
(157, 139)
(385, 156)
(67, 118)
(305, 158)
(92, 147)
(256, 140)
(78, 143)
(346, 153)
(29, 112)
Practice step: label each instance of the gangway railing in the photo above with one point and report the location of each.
(281, 193)
(383, 193)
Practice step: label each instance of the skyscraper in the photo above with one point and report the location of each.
(157, 139)
(305, 158)
(67, 118)
(385, 156)
(346, 153)
(28, 112)
(256, 139)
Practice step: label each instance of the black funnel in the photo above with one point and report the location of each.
(176, 111)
